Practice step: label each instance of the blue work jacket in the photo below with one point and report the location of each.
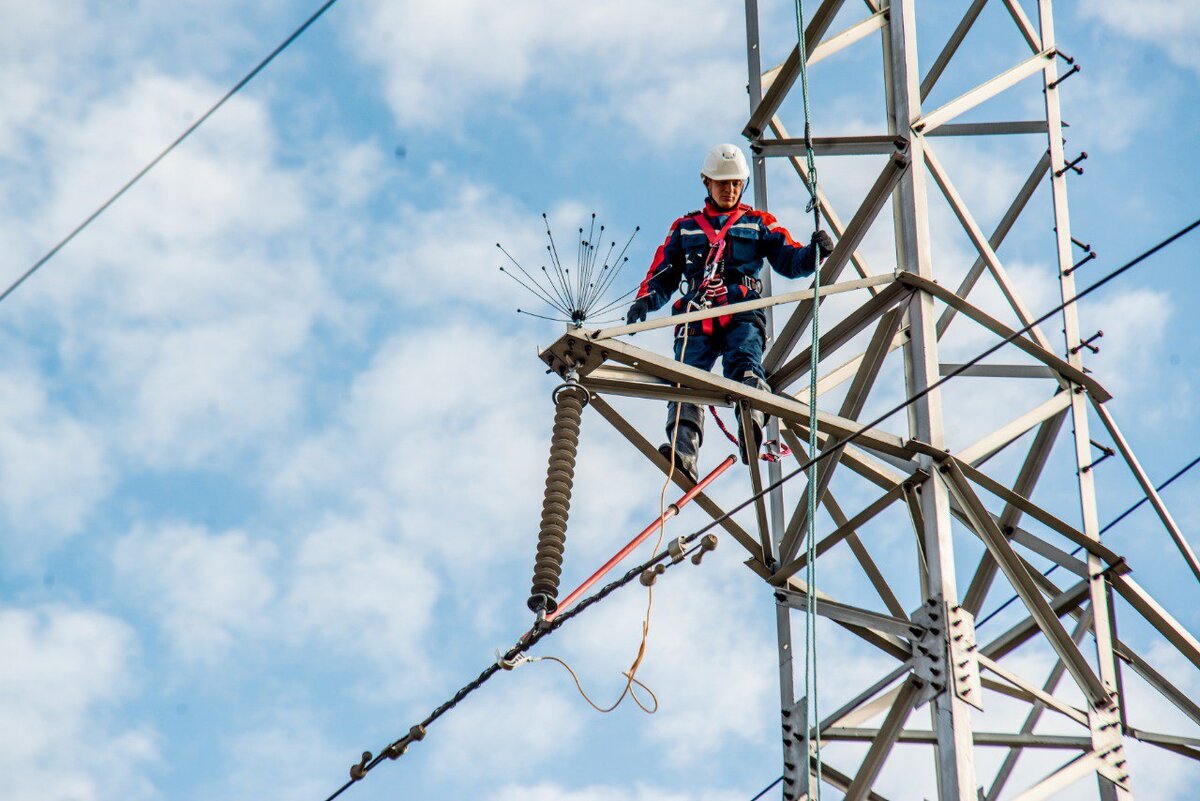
(754, 237)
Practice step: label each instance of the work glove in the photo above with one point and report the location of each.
(637, 311)
(822, 240)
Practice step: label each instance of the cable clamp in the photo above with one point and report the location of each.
(678, 550)
(517, 661)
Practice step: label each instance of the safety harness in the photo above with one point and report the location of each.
(712, 290)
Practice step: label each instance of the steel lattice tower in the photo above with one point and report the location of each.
(951, 498)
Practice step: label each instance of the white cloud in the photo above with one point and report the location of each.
(54, 468)
(1134, 324)
(711, 671)
(61, 674)
(441, 61)
(188, 307)
(548, 791)
(357, 589)
(207, 589)
(484, 740)
(1172, 26)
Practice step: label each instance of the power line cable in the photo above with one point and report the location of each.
(417, 732)
(37, 265)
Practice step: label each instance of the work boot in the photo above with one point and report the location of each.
(688, 439)
(758, 420)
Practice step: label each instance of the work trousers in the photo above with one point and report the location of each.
(739, 343)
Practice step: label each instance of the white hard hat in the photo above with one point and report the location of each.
(725, 162)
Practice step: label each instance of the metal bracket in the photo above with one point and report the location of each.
(796, 772)
(1105, 724)
(944, 653)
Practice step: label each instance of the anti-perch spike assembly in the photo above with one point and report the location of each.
(583, 296)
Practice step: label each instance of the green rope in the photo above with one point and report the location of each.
(810, 575)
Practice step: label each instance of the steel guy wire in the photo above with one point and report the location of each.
(237, 87)
(538, 634)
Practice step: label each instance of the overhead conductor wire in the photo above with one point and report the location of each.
(812, 745)
(536, 635)
(237, 87)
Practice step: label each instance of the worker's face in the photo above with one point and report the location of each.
(725, 193)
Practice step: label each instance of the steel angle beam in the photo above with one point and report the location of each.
(1039, 514)
(780, 406)
(984, 738)
(998, 235)
(791, 564)
(878, 195)
(975, 234)
(743, 306)
(891, 645)
(872, 571)
(1024, 25)
(1014, 429)
(866, 705)
(823, 203)
(610, 379)
(841, 781)
(984, 92)
(1035, 714)
(1147, 486)
(1044, 697)
(1008, 128)
(855, 33)
(1064, 603)
(1017, 574)
(648, 450)
(852, 145)
(951, 47)
(756, 486)
(845, 613)
(883, 741)
(895, 294)
(1157, 616)
(1180, 699)
(852, 405)
(996, 370)
(1027, 478)
(846, 370)
(1051, 360)
(790, 69)
(1049, 552)
(1187, 746)
(1062, 778)
(866, 465)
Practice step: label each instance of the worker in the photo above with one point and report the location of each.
(713, 257)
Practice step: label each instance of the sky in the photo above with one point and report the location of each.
(273, 438)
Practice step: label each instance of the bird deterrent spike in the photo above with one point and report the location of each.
(538, 292)
(557, 293)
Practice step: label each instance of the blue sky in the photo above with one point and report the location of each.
(272, 437)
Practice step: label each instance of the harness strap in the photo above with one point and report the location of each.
(712, 288)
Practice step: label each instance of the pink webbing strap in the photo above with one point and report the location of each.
(713, 286)
(770, 455)
(716, 240)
